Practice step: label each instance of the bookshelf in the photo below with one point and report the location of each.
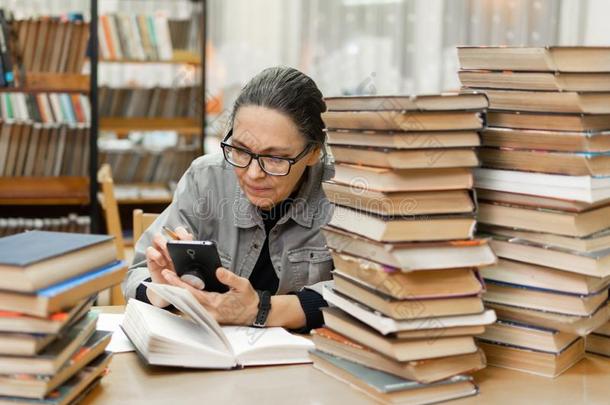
(63, 191)
(188, 124)
(49, 106)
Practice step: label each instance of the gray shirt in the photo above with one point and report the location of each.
(210, 204)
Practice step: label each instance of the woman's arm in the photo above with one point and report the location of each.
(286, 311)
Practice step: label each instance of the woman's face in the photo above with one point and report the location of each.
(266, 131)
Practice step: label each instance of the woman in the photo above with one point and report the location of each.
(261, 201)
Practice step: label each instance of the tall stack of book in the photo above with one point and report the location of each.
(544, 195)
(49, 346)
(407, 295)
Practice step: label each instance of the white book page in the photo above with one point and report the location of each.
(163, 324)
(273, 345)
(185, 302)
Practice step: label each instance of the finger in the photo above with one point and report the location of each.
(160, 243)
(155, 257)
(231, 279)
(205, 298)
(183, 234)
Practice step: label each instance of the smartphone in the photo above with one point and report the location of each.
(197, 259)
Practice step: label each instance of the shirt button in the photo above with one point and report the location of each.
(256, 246)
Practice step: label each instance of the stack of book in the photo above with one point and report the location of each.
(407, 295)
(49, 346)
(544, 195)
(598, 341)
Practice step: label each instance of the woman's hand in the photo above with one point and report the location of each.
(238, 306)
(158, 260)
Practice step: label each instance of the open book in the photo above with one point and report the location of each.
(163, 338)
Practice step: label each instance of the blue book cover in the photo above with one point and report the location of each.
(27, 248)
(74, 282)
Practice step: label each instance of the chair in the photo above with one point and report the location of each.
(141, 221)
(110, 208)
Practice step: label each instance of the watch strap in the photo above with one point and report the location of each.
(264, 307)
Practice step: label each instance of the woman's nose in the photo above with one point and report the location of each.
(254, 170)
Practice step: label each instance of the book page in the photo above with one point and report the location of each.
(273, 345)
(185, 302)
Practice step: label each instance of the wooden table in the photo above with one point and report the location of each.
(131, 382)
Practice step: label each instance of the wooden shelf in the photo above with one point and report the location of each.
(180, 57)
(62, 190)
(56, 82)
(142, 187)
(123, 126)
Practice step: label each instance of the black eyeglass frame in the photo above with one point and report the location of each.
(291, 161)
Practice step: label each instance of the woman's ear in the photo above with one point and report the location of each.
(314, 156)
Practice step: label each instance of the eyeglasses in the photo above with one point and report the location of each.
(272, 165)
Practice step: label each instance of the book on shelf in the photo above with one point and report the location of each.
(389, 389)
(399, 203)
(424, 371)
(537, 59)
(546, 364)
(204, 343)
(527, 336)
(143, 37)
(37, 259)
(54, 44)
(72, 223)
(403, 140)
(143, 165)
(153, 102)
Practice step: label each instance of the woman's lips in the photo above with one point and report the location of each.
(257, 190)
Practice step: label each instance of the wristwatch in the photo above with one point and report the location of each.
(264, 307)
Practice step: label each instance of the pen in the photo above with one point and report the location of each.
(171, 233)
